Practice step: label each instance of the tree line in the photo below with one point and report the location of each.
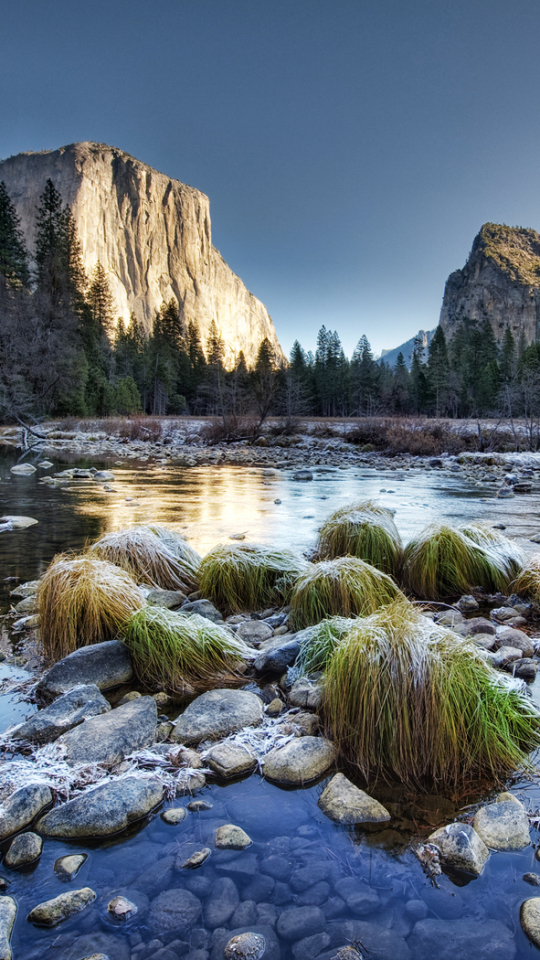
(63, 351)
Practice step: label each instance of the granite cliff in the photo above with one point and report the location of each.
(152, 235)
(500, 282)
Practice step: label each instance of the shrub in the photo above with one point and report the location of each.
(406, 699)
(364, 530)
(343, 587)
(147, 558)
(444, 562)
(248, 576)
(83, 600)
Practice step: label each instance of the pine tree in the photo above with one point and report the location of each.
(438, 369)
(101, 302)
(508, 357)
(264, 380)
(14, 270)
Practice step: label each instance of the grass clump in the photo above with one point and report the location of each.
(318, 644)
(405, 699)
(366, 531)
(510, 556)
(345, 587)
(171, 650)
(445, 561)
(249, 576)
(83, 600)
(147, 557)
(178, 546)
(527, 582)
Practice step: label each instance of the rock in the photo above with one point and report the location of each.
(277, 657)
(485, 640)
(8, 912)
(103, 476)
(223, 903)
(378, 942)
(217, 713)
(310, 947)
(505, 493)
(296, 923)
(530, 919)
(532, 878)
(24, 849)
(4, 884)
(461, 940)
(245, 914)
(69, 710)
(303, 475)
(304, 693)
(221, 938)
(275, 707)
(525, 669)
(106, 664)
(192, 781)
(361, 900)
(198, 806)
(245, 946)
(469, 628)
(230, 760)
(170, 599)
(111, 737)
(174, 910)
(345, 803)
(467, 604)
(196, 859)
(203, 608)
(68, 867)
(229, 837)
(300, 760)
(254, 631)
(120, 909)
(502, 614)
(461, 847)
(52, 912)
(174, 815)
(23, 469)
(503, 825)
(24, 806)
(508, 637)
(505, 657)
(449, 618)
(95, 946)
(304, 724)
(347, 953)
(19, 523)
(105, 809)
(128, 697)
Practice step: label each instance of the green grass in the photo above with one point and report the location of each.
(147, 557)
(344, 587)
(319, 643)
(509, 554)
(248, 576)
(444, 562)
(364, 530)
(170, 650)
(527, 582)
(406, 700)
(83, 600)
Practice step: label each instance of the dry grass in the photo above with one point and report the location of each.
(344, 587)
(249, 576)
(147, 557)
(83, 600)
(364, 530)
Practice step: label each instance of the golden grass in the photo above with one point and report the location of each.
(248, 576)
(344, 587)
(527, 583)
(364, 530)
(147, 557)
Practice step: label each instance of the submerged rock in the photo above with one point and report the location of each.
(245, 946)
(461, 940)
(24, 806)
(24, 849)
(461, 847)
(530, 919)
(68, 867)
(120, 909)
(23, 469)
(109, 738)
(174, 910)
(68, 711)
(230, 760)
(106, 664)
(174, 815)
(503, 825)
(52, 912)
(300, 760)
(295, 923)
(222, 938)
(217, 713)
(230, 837)
(345, 803)
(196, 859)
(222, 904)
(8, 912)
(104, 810)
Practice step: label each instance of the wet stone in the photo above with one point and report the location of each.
(8, 912)
(198, 806)
(345, 803)
(310, 947)
(217, 713)
(68, 867)
(300, 760)
(378, 942)
(230, 837)
(106, 664)
(113, 736)
(24, 849)
(4, 884)
(68, 711)
(174, 815)
(103, 810)
(532, 878)
(277, 867)
(503, 825)
(52, 912)
(230, 760)
(461, 847)
(197, 859)
(359, 897)
(174, 910)
(222, 904)
(245, 914)
(296, 923)
(121, 909)
(222, 937)
(245, 946)
(24, 806)
(461, 940)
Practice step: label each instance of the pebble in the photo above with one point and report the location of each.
(24, 849)
(174, 815)
(197, 859)
(246, 946)
(68, 867)
(120, 909)
(230, 837)
(196, 806)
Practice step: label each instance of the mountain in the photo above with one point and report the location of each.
(500, 282)
(390, 356)
(152, 235)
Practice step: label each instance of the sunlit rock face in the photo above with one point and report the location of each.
(500, 282)
(151, 234)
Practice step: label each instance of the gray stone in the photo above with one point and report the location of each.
(503, 825)
(22, 807)
(467, 604)
(52, 912)
(104, 810)
(203, 608)
(121, 909)
(485, 640)
(190, 782)
(106, 664)
(379, 943)
(310, 947)
(96, 946)
(8, 912)
(276, 658)
(359, 897)
(304, 693)
(506, 656)
(24, 849)
(245, 914)
(217, 713)
(469, 628)
(230, 837)
(530, 919)
(198, 806)
(103, 476)
(303, 724)
(175, 909)
(170, 599)
(111, 737)
(296, 923)
(461, 940)
(509, 637)
(449, 618)
(22, 469)
(275, 707)
(230, 760)
(68, 867)
(196, 859)
(315, 895)
(525, 669)
(345, 803)
(461, 847)
(277, 867)
(502, 614)
(303, 877)
(245, 946)
(222, 904)
(254, 631)
(68, 711)
(174, 815)
(303, 475)
(300, 760)
(222, 937)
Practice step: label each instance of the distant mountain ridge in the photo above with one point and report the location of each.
(390, 356)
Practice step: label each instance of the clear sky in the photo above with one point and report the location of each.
(351, 149)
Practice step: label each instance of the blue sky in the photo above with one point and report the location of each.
(351, 149)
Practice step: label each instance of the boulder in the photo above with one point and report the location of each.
(468, 628)
(300, 760)
(68, 867)
(105, 664)
(254, 631)
(345, 803)
(217, 713)
(505, 657)
(68, 711)
(295, 923)
(23, 469)
(461, 847)
(174, 910)
(509, 637)
(109, 738)
(304, 693)
(222, 903)
(230, 760)
(105, 809)
(461, 939)
(103, 476)
(530, 919)
(170, 599)
(8, 912)
(24, 849)
(203, 608)
(52, 912)
(24, 806)
(174, 815)
(230, 837)
(525, 669)
(378, 942)
(279, 654)
(303, 475)
(503, 825)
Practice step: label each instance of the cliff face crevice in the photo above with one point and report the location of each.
(150, 233)
(500, 282)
